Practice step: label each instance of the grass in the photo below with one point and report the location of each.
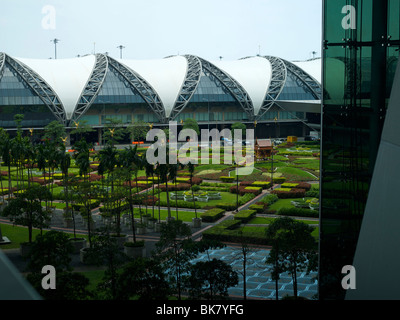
(285, 203)
(296, 174)
(185, 216)
(19, 234)
(266, 221)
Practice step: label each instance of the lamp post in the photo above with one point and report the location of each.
(120, 47)
(55, 47)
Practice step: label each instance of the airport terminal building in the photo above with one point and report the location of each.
(277, 97)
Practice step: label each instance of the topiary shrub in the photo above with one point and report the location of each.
(245, 215)
(212, 215)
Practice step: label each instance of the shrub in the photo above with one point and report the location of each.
(212, 215)
(256, 190)
(290, 193)
(269, 199)
(173, 187)
(258, 208)
(298, 212)
(312, 194)
(226, 206)
(279, 180)
(289, 185)
(262, 184)
(227, 179)
(244, 190)
(245, 215)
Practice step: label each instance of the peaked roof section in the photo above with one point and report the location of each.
(166, 76)
(254, 74)
(67, 77)
(312, 67)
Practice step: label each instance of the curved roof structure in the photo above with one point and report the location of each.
(70, 86)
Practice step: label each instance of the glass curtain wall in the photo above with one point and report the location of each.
(360, 53)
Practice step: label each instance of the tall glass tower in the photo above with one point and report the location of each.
(360, 54)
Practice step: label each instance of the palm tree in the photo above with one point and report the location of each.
(108, 161)
(84, 191)
(128, 158)
(158, 173)
(5, 147)
(64, 161)
(191, 171)
(164, 178)
(149, 168)
(173, 173)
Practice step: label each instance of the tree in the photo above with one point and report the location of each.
(26, 208)
(105, 248)
(52, 248)
(113, 131)
(175, 251)
(128, 158)
(6, 145)
(173, 173)
(54, 132)
(190, 123)
(64, 162)
(191, 171)
(81, 128)
(143, 278)
(210, 279)
(149, 169)
(294, 248)
(138, 130)
(238, 126)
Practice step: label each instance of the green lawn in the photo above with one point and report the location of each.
(18, 234)
(296, 174)
(185, 216)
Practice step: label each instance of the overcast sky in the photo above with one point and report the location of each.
(154, 29)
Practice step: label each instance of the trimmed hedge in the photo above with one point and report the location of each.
(298, 212)
(229, 231)
(269, 199)
(262, 184)
(243, 190)
(258, 208)
(227, 179)
(245, 215)
(291, 193)
(212, 215)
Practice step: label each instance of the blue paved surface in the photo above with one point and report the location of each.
(258, 282)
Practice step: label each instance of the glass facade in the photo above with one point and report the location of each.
(294, 90)
(17, 98)
(361, 49)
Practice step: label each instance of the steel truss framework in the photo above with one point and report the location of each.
(92, 87)
(189, 86)
(305, 80)
(139, 85)
(235, 89)
(2, 62)
(277, 83)
(39, 86)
